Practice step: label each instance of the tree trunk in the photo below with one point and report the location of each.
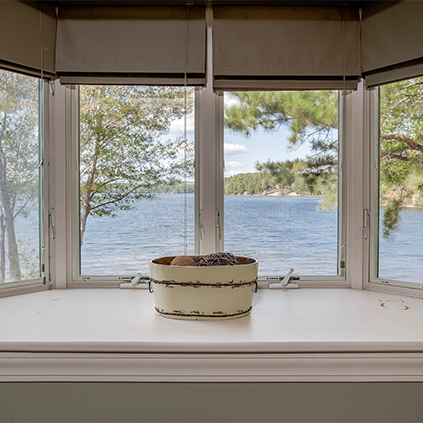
(86, 207)
(12, 253)
(85, 212)
(2, 251)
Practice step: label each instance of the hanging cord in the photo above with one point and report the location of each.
(343, 51)
(41, 42)
(188, 4)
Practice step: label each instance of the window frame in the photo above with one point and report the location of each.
(356, 125)
(209, 177)
(374, 281)
(76, 280)
(313, 280)
(44, 135)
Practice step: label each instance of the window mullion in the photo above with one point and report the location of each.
(354, 135)
(373, 165)
(209, 171)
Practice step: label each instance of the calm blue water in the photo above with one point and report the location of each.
(281, 232)
(401, 255)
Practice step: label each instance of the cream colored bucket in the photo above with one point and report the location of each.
(203, 293)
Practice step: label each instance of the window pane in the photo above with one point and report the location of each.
(281, 180)
(401, 181)
(135, 166)
(19, 178)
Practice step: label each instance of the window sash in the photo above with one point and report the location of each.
(376, 282)
(44, 184)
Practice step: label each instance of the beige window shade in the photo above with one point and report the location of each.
(27, 37)
(118, 44)
(283, 47)
(392, 47)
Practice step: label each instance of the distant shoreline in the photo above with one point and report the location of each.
(292, 195)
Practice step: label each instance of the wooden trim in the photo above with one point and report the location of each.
(313, 367)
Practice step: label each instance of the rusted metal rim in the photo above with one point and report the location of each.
(199, 284)
(217, 314)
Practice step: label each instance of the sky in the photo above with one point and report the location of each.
(242, 152)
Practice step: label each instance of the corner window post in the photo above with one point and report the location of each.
(355, 133)
(209, 165)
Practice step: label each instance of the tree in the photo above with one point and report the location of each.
(313, 117)
(401, 148)
(122, 153)
(280, 171)
(18, 155)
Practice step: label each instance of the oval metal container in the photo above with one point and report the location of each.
(203, 292)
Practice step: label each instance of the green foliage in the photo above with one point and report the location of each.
(281, 172)
(401, 149)
(312, 117)
(249, 183)
(123, 157)
(265, 182)
(177, 188)
(19, 135)
(19, 159)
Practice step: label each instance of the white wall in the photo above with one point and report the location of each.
(211, 402)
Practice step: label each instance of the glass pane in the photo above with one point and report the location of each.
(401, 181)
(136, 176)
(19, 178)
(281, 180)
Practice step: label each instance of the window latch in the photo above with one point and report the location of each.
(283, 283)
(138, 282)
(366, 223)
(52, 222)
(200, 222)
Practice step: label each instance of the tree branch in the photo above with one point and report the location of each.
(398, 137)
(117, 199)
(23, 207)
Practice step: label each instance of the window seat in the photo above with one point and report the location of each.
(292, 335)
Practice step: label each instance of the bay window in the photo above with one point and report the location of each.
(136, 195)
(287, 159)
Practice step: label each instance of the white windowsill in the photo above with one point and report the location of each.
(293, 335)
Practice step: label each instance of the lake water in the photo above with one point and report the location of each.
(281, 232)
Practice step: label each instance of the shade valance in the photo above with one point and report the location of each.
(27, 37)
(131, 44)
(265, 47)
(392, 46)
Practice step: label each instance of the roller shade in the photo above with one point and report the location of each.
(392, 47)
(131, 44)
(284, 47)
(25, 31)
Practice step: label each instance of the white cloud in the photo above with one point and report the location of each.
(231, 173)
(230, 100)
(177, 126)
(234, 164)
(232, 149)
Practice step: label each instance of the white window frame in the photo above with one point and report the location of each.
(374, 281)
(313, 280)
(357, 112)
(209, 190)
(44, 127)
